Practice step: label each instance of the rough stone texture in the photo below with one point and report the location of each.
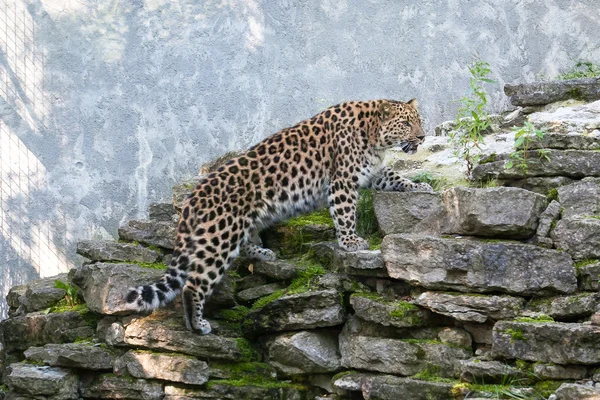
(278, 270)
(169, 367)
(224, 391)
(367, 263)
(575, 164)
(305, 352)
(104, 285)
(568, 307)
(589, 276)
(469, 265)
(59, 383)
(547, 218)
(12, 298)
(110, 250)
(298, 311)
(287, 238)
(578, 236)
(258, 291)
(559, 372)
(566, 141)
(115, 387)
(475, 370)
(38, 329)
(455, 336)
(551, 342)
(541, 185)
(546, 92)
(162, 212)
(401, 212)
(500, 212)
(580, 198)
(152, 233)
(398, 314)
(159, 333)
(574, 391)
(42, 293)
(481, 333)
(388, 387)
(473, 308)
(73, 355)
(397, 356)
(223, 295)
(569, 120)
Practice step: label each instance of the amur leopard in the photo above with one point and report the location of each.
(322, 160)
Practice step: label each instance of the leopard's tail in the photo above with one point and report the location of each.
(149, 297)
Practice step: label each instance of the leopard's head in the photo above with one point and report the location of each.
(400, 125)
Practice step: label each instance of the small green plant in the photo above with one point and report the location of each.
(72, 297)
(525, 136)
(437, 183)
(582, 69)
(472, 118)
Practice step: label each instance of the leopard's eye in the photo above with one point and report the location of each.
(405, 123)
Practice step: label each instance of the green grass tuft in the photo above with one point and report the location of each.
(582, 69)
(536, 319)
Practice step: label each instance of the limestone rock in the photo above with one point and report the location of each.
(223, 296)
(162, 212)
(499, 212)
(304, 352)
(468, 307)
(168, 367)
(563, 141)
(546, 92)
(396, 313)
(110, 250)
(589, 276)
(401, 212)
(574, 391)
(547, 218)
(455, 336)
(471, 265)
(72, 355)
(104, 285)
(37, 329)
(12, 298)
(367, 263)
(109, 386)
(59, 383)
(181, 192)
(580, 198)
(481, 333)
(151, 233)
(221, 390)
(388, 387)
(541, 185)
(42, 293)
(277, 270)
(567, 307)
(159, 333)
(475, 370)
(578, 236)
(568, 120)
(559, 372)
(306, 310)
(575, 164)
(258, 292)
(250, 281)
(550, 342)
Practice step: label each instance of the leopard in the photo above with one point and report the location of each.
(321, 161)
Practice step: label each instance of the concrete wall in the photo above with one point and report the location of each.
(105, 104)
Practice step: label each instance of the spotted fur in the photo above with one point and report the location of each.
(322, 160)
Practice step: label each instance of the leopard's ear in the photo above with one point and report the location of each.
(385, 110)
(414, 103)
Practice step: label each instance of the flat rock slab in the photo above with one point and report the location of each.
(589, 276)
(170, 335)
(471, 308)
(578, 236)
(42, 293)
(580, 198)
(169, 367)
(402, 212)
(559, 372)
(546, 92)
(550, 342)
(162, 212)
(257, 292)
(105, 285)
(306, 310)
(151, 233)
(109, 386)
(388, 387)
(59, 383)
(400, 314)
(304, 352)
(541, 185)
(476, 370)
(500, 212)
(38, 329)
(367, 263)
(110, 250)
(575, 164)
(582, 120)
(221, 390)
(567, 307)
(480, 266)
(277, 270)
(73, 355)
(574, 391)
(564, 141)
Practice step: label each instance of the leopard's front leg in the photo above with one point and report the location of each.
(342, 197)
(391, 181)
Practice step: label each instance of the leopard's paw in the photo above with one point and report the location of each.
(353, 243)
(423, 187)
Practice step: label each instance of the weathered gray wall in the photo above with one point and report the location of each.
(106, 104)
